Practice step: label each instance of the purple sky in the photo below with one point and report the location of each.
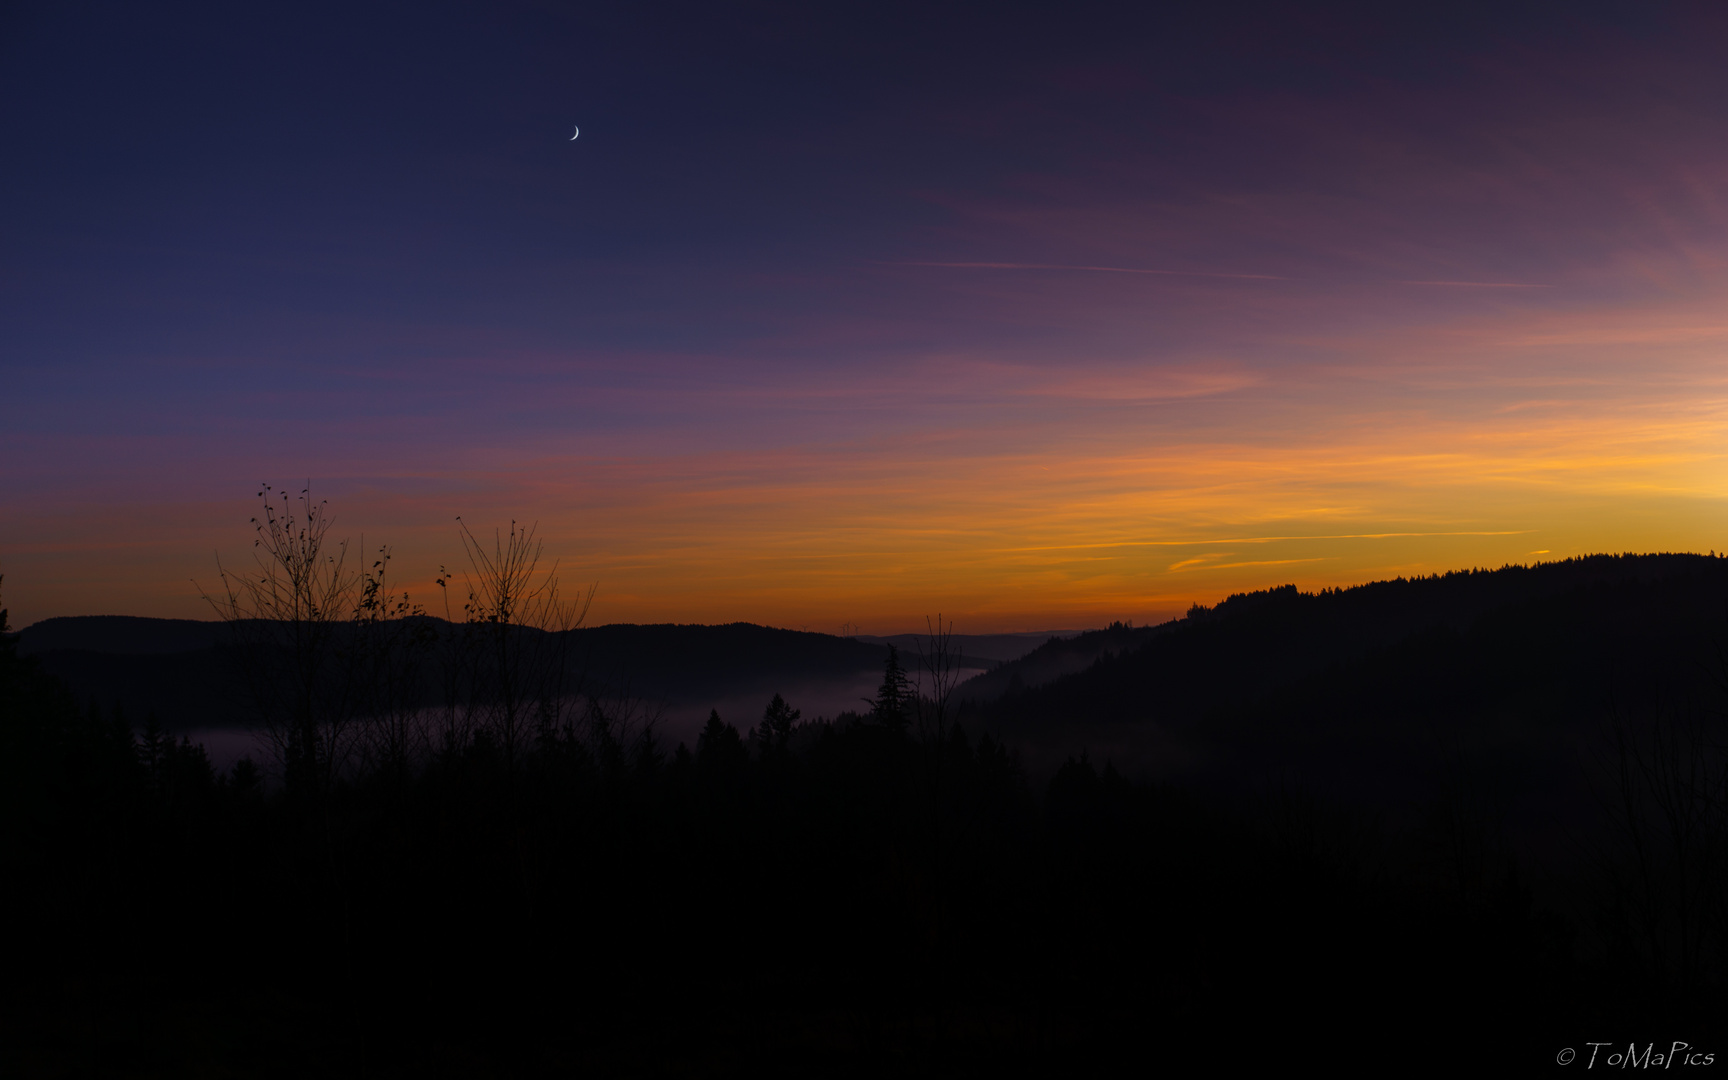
(1038, 317)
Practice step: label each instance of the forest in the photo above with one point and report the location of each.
(1464, 819)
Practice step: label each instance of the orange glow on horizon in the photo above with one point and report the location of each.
(1343, 477)
(1017, 487)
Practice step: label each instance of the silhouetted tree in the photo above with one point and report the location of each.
(894, 697)
(938, 674)
(1666, 860)
(776, 727)
(649, 757)
(283, 619)
(719, 744)
(854, 850)
(517, 627)
(245, 777)
(390, 644)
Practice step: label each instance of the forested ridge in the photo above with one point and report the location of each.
(1328, 847)
(178, 667)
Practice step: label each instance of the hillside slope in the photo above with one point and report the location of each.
(175, 668)
(1400, 694)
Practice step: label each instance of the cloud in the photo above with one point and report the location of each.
(1272, 562)
(1152, 382)
(1199, 560)
(1093, 269)
(1480, 284)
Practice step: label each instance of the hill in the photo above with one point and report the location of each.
(174, 668)
(1503, 688)
(1484, 802)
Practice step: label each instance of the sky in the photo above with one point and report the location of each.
(843, 316)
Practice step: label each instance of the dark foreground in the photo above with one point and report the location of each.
(851, 898)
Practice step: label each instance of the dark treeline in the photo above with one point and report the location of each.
(848, 896)
(1606, 615)
(459, 862)
(1563, 725)
(177, 667)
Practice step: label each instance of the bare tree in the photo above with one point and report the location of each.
(285, 617)
(937, 675)
(512, 681)
(517, 640)
(1666, 868)
(307, 631)
(387, 656)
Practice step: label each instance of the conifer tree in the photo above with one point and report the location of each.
(776, 727)
(894, 696)
(719, 743)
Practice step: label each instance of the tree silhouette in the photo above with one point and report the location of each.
(894, 697)
(517, 627)
(283, 620)
(775, 730)
(719, 746)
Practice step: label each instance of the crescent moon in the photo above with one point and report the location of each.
(578, 132)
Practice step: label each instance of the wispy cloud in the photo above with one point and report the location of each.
(1149, 384)
(1480, 284)
(860, 416)
(1265, 540)
(1269, 562)
(1200, 560)
(1092, 269)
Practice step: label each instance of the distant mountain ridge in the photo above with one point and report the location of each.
(127, 635)
(173, 668)
(169, 666)
(1250, 643)
(142, 635)
(1347, 688)
(975, 650)
(1388, 694)
(1057, 656)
